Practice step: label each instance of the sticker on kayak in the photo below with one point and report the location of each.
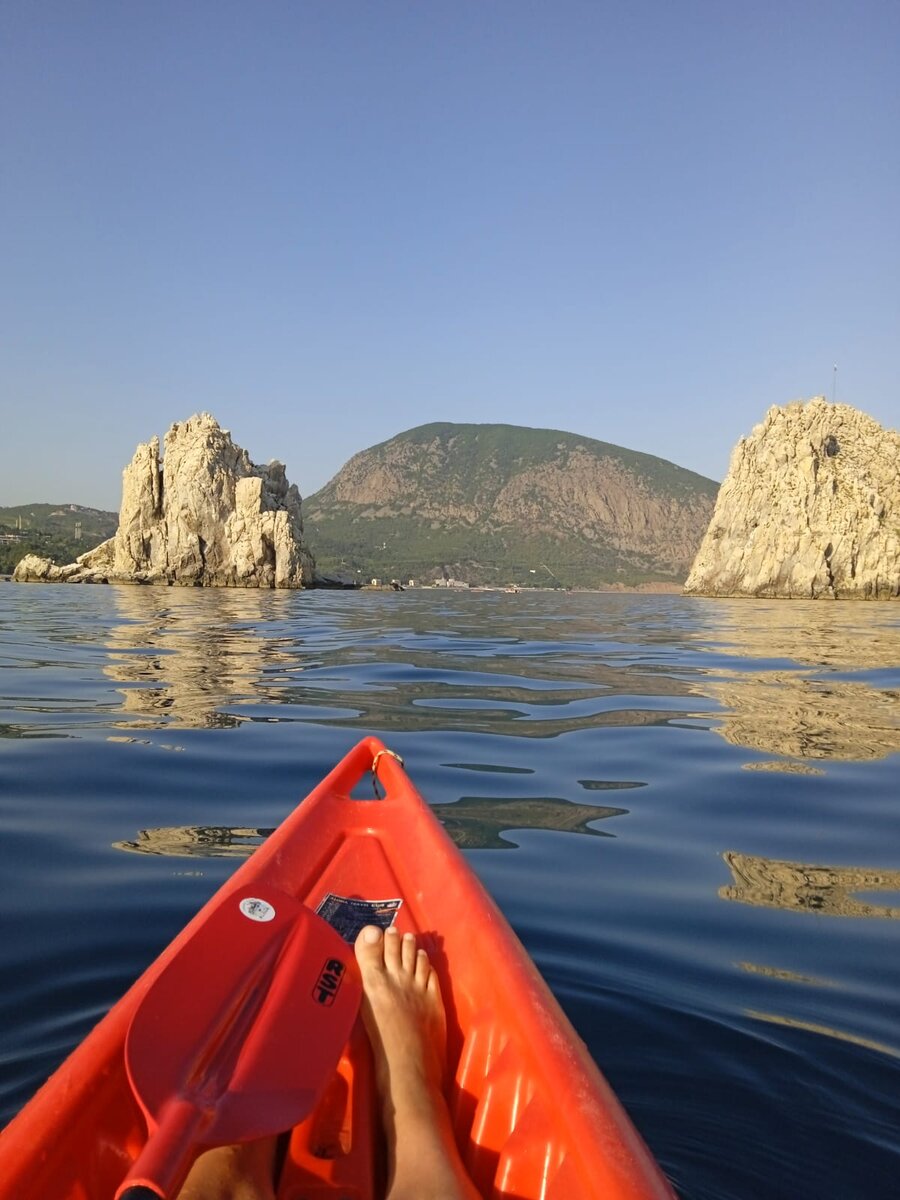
(257, 910)
(348, 916)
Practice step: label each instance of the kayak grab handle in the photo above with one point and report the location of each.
(379, 755)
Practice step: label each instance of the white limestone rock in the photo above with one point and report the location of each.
(92, 567)
(204, 516)
(810, 508)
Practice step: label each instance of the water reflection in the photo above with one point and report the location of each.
(477, 822)
(802, 887)
(214, 658)
(474, 823)
(184, 654)
(800, 681)
(646, 967)
(841, 1035)
(784, 975)
(843, 635)
(197, 841)
(823, 684)
(806, 717)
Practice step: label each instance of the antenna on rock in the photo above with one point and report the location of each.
(834, 385)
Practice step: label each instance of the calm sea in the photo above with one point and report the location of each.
(688, 810)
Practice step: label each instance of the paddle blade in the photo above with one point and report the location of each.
(246, 1024)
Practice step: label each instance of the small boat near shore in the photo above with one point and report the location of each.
(533, 1117)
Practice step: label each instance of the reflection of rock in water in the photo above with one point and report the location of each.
(837, 637)
(783, 767)
(216, 657)
(810, 717)
(792, 700)
(474, 823)
(185, 655)
(610, 785)
(784, 975)
(842, 1035)
(807, 888)
(200, 841)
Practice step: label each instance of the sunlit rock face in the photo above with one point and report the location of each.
(810, 508)
(204, 515)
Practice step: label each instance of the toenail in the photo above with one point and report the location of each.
(371, 935)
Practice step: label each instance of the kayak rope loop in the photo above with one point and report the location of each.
(379, 755)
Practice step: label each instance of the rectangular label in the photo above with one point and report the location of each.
(348, 916)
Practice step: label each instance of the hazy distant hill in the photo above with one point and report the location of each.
(506, 504)
(57, 531)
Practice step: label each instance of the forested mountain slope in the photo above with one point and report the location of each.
(506, 504)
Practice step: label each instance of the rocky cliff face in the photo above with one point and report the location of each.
(810, 508)
(500, 503)
(204, 515)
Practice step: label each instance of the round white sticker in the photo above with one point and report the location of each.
(257, 910)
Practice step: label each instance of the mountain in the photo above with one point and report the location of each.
(504, 504)
(57, 531)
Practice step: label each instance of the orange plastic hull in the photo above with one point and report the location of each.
(534, 1118)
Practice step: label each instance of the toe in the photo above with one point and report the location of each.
(408, 953)
(392, 950)
(434, 986)
(369, 949)
(423, 968)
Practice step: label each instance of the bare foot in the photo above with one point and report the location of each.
(404, 1018)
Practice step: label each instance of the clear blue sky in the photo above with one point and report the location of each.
(326, 222)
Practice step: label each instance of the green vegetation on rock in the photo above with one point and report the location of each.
(59, 532)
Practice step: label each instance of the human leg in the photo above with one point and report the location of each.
(404, 1018)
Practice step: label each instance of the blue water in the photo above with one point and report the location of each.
(688, 810)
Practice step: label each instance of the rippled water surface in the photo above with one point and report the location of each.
(688, 810)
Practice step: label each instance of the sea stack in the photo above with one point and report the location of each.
(203, 515)
(810, 509)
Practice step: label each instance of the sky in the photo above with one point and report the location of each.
(328, 221)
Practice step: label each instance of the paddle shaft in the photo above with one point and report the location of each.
(163, 1164)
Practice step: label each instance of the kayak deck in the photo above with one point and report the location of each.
(533, 1117)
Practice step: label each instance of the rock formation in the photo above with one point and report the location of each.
(205, 515)
(810, 508)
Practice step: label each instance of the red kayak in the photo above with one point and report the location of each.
(246, 1025)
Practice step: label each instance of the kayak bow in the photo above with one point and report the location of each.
(533, 1117)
